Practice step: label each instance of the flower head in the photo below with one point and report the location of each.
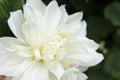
(49, 44)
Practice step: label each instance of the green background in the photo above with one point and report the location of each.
(103, 20)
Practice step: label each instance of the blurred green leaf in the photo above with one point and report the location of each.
(4, 29)
(112, 63)
(97, 76)
(7, 6)
(98, 73)
(112, 12)
(118, 32)
(98, 27)
(117, 37)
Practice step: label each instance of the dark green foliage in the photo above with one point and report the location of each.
(7, 6)
(95, 31)
(112, 12)
(4, 29)
(112, 63)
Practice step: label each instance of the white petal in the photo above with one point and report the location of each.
(83, 52)
(33, 16)
(37, 4)
(15, 46)
(52, 17)
(56, 68)
(87, 43)
(10, 64)
(75, 46)
(9, 43)
(69, 75)
(61, 54)
(81, 45)
(75, 16)
(15, 23)
(74, 74)
(64, 15)
(33, 26)
(36, 71)
(74, 23)
(24, 51)
(87, 60)
(82, 68)
(81, 76)
(8, 78)
(28, 13)
(82, 31)
(31, 35)
(52, 76)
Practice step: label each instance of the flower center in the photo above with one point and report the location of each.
(49, 48)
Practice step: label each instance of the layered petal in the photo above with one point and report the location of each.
(24, 51)
(81, 76)
(15, 23)
(9, 43)
(33, 17)
(52, 76)
(78, 16)
(56, 68)
(82, 68)
(87, 60)
(64, 17)
(82, 32)
(87, 43)
(74, 74)
(37, 4)
(52, 17)
(33, 25)
(74, 23)
(15, 46)
(11, 64)
(31, 36)
(81, 45)
(83, 52)
(36, 71)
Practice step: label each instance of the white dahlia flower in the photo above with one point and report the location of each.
(49, 44)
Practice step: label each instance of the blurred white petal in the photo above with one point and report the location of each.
(15, 23)
(37, 4)
(56, 68)
(35, 71)
(64, 15)
(82, 31)
(74, 74)
(10, 64)
(52, 17)
(89, 59)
